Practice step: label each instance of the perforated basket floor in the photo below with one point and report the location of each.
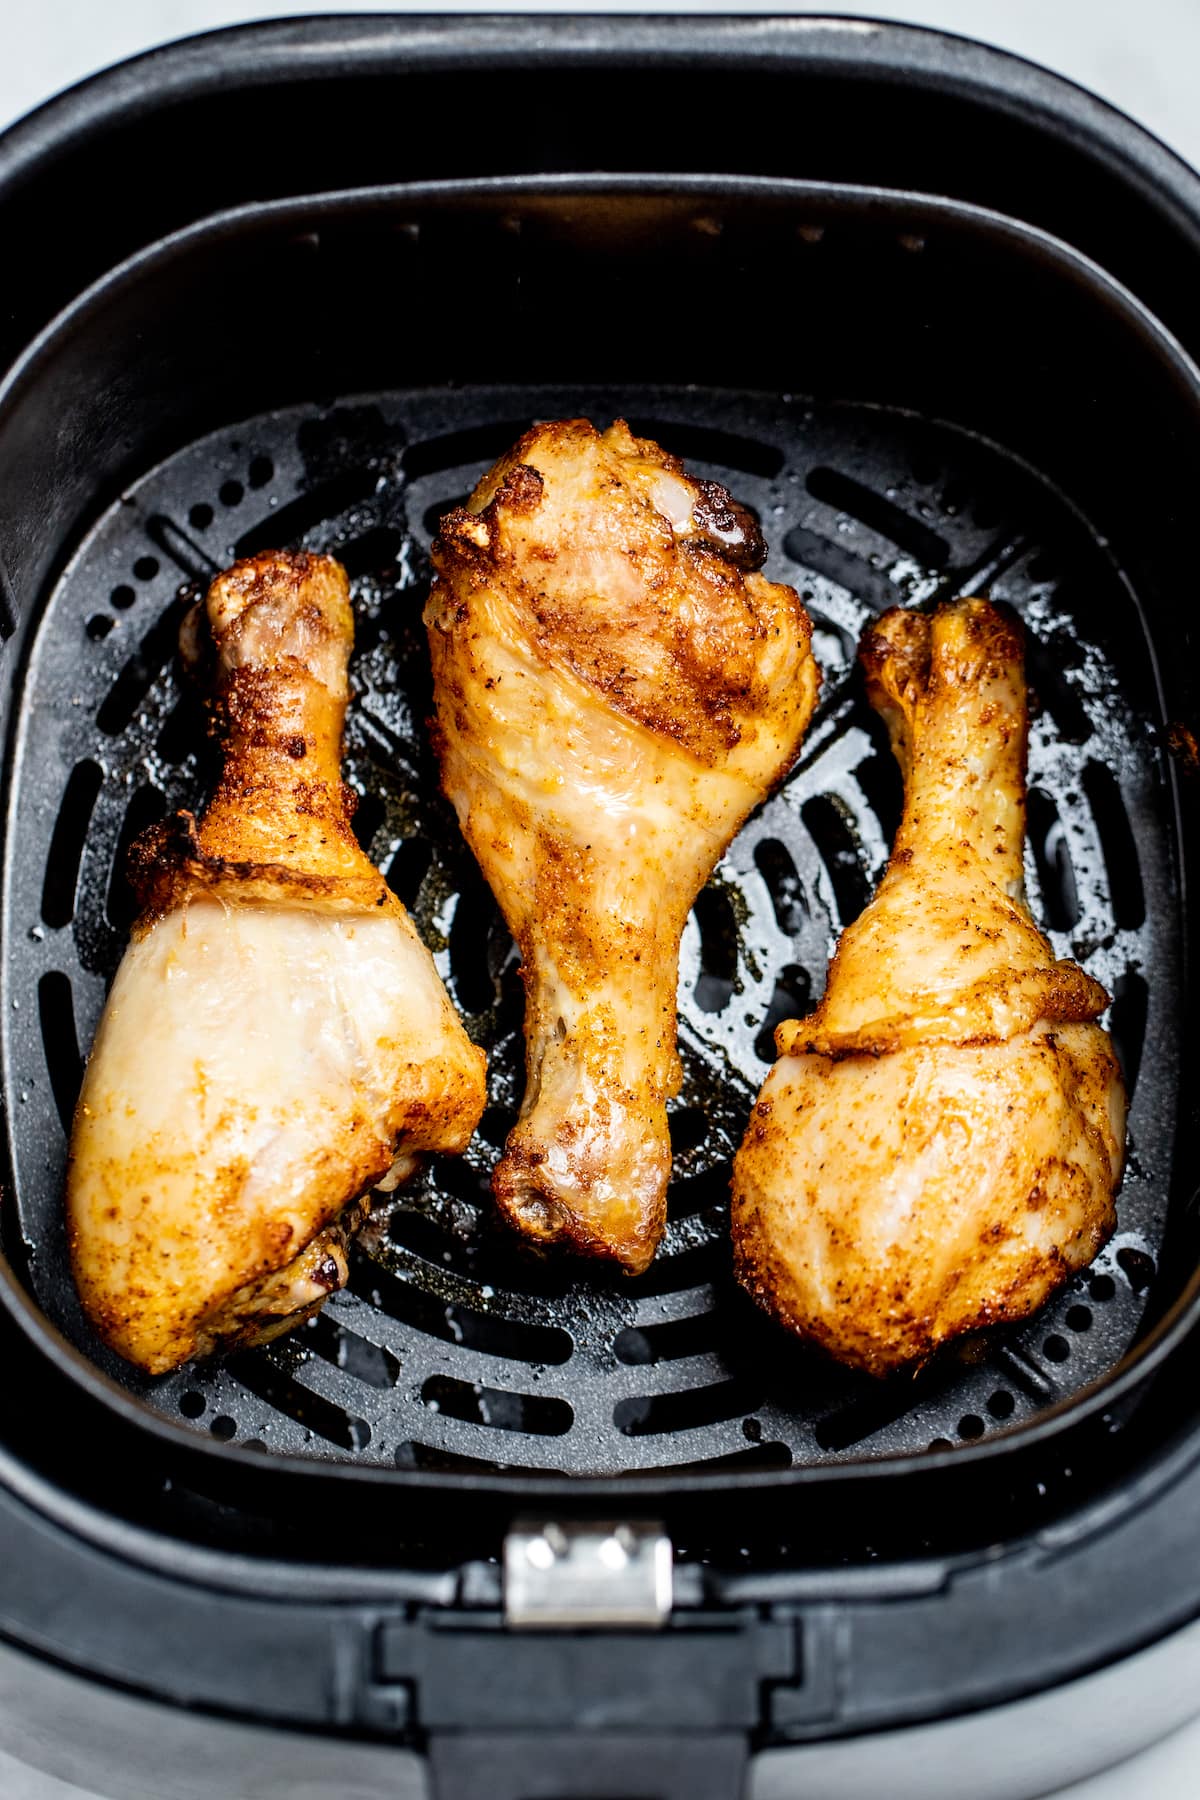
(451, 1348)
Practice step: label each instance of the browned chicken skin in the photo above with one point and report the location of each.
(277, 1039)
(616, 689)
(939, 1144)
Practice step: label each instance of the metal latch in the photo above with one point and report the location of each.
(587, 1573)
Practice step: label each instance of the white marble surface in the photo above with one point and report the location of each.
(1143, 55)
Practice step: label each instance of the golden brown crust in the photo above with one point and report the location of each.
(940, 1142)
(947, 949)
(277, 1032)
(1000, 1006)
(276, 638)
(615, 689)
(1017, 1157)
(167, 866)
(679, 645)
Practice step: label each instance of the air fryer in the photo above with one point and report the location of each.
(528, 1528)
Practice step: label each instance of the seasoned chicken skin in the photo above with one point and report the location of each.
(277, 1039)
(939, 1144)
(616, 689)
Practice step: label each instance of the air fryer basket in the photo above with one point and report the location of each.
(452, 1349)
(920, 397)
(448, 1345)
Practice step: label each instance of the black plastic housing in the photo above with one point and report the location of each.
(268, 262)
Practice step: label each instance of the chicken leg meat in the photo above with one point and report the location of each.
(939, 1144)
(616, 689)
(277, 1040)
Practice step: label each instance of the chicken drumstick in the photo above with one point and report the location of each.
(277, 1039)
(938, 1146)
(616, 689)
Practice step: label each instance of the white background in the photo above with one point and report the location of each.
(1143, 55)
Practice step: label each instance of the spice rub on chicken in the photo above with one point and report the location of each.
(616, 688)
(938, 1146)
(277, 1040)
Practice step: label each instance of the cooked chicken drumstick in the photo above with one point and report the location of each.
(277, 1039)
(616, 689)
(939, 1144)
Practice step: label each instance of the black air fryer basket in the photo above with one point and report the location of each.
(930, 312)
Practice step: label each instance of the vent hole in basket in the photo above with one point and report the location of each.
(223, 1428)
(792, 999)
(883, 787)
(692, 1194)
(833, 646)
(1052, 856)
(312, 1412)
(540, 1415)
(409, 865)
(1137, 1267)
(284, 528)
(882, 515)
(260, 471)
(1125, 890)
(854, 573)
(345, 1349)
(1102, 1288)
(474, 929)
(458, 449)
(60, 1042)
(1056, 1348)
(372, 552)
(714, 916)
(651, 1415)
(146, 568)
(200, 517)
(123, 596)
(1025, 1373)
(369, 814)
(1079, 1318)
(183, 729)
(141, 671)
(192, 1404)
(231, 493)
(642, 1344)
(838, 848)
(1001, 1404)
(188, 557)
(688, 1128)
(417, 1231)
(146, 808)
(66, 844)
(1127, 1024)
(495, 1125)
(971, 1426)
(1044, 666)
(687, 1269)
(98, 627)
(707, 444)
(775, 865)
(458, 1323)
